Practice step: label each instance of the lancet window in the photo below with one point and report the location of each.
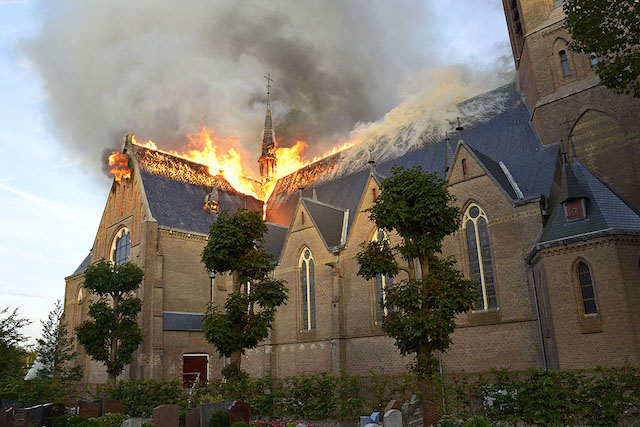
(480, 260)
(308, 290)
(121, 247)
(383, 281)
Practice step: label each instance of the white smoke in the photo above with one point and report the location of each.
(160, 68)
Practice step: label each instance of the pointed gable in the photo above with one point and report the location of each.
(330, 221)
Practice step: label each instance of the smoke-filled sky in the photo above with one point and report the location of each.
(160, 68)
(77, 75)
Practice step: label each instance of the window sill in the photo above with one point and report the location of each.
(484, 317)
(590, 324)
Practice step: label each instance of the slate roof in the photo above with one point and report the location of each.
(274, 239)
(494, 170)
(330, 221)
(507, 136)
(605, 211)
(83, 265)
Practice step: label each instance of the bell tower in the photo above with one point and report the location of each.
(560, 86)
(267, 161)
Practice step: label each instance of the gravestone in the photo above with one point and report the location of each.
(373, 425)
(393, 418)
(136, 422)
(192, 419)
(110, 406)
(89, 409)
(36, 414)
(21, 418)
(166, 416)
(375, 417)
(364, 420)
(51, 411)
(393, 404)
(207, 409)
(411, 413)
(240, 412)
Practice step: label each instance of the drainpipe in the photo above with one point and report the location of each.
(538, 320)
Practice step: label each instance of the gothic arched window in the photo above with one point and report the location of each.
(121, 247)
(565, 63)
(475, 223)
(79, 300)
(308, 283)
(383, 281)
(586, 289)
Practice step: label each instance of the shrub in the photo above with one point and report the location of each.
(141, 396)
(239, 424)
(112, 420)
(219, 419)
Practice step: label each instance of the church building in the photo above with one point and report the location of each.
(548, 188)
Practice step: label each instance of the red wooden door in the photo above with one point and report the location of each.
(194, 367)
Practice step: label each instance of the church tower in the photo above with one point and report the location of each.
(268, 162)
(566, 99)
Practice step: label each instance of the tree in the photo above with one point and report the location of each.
(55, 349)
(12, 354)
(610, 30)
(113, 334)
(421, 310)
(235, 246)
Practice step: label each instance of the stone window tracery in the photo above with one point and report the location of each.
(383, 281)
(480, 260)
(121, 247)
(307, 281)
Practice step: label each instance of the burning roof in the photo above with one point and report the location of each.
(169, 166)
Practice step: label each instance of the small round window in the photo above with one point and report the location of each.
(307, 254)
(121, 247)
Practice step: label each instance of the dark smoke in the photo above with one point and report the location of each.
(161, 68)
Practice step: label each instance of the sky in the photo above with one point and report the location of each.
(52, 189)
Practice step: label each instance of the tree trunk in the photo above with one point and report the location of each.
(426, 387)
(236, 359)
(412, 270)
(424, 265)
(114, 340)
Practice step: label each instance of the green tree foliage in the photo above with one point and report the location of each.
(235, 247)
(12, 353)
(421, 309)
(611, 30)
(55, 349)
(113, 334)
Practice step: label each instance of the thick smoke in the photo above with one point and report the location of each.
(159, 69)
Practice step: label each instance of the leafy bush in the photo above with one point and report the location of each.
(239, 424)
(107, 420)
(112, 420)
(545, 397)
(219, 419)
(141, 396)
(36, 391)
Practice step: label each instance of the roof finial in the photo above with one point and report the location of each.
(574, 156)
(564, 149)
(460, 128)
(446, 150)
(300, 191)
(315, 195)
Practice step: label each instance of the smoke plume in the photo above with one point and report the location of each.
(159, 69)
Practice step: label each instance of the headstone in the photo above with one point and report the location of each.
(89, 409)
(375, 417)
(207, 409)
(110, 406)
(411, 413)
(166, 416)
(240, 412)
(36, 415)
(364, 420)
(21, 418)
(8, 403)
(373, 425)
(393, 418)
(393, 404)
(136, 422)
(51, 411)
(192, 419)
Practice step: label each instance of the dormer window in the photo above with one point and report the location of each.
(574, 209)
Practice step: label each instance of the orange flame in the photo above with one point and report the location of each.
(119, 166)
(218, 153)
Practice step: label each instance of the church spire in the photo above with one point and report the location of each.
(268, 157)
